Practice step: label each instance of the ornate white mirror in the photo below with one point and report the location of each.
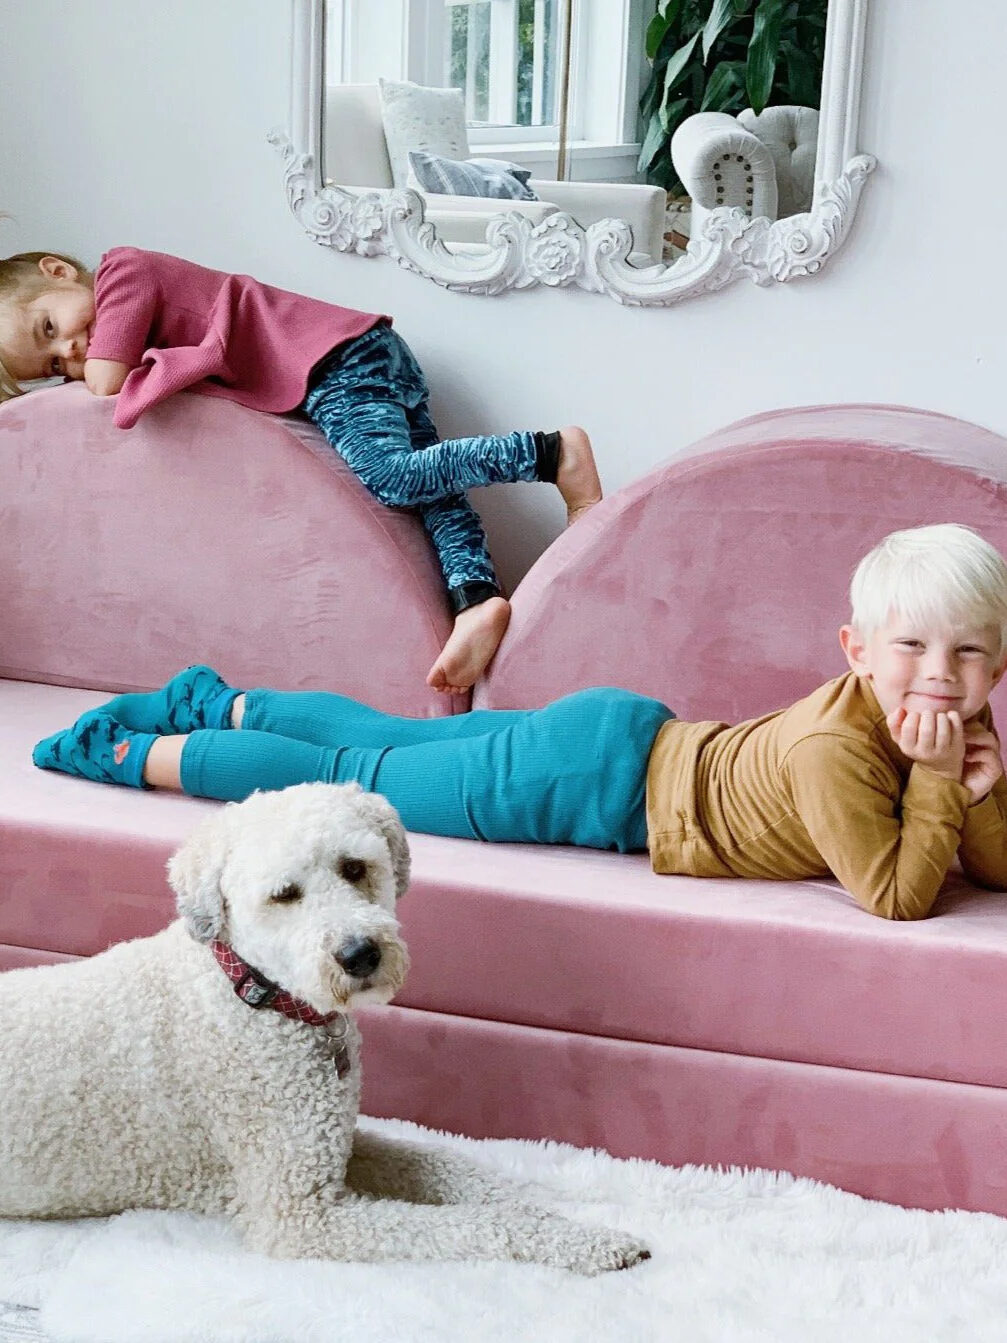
(500, 144)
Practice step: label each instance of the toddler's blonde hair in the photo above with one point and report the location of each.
(942, 575)
(20, 282)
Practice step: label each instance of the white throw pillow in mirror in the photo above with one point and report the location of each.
(417, 117)
(494, 178)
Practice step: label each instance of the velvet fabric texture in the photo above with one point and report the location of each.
(208, 533)
(717, 583)
(906, 1140)
(535, 931)
(578, 996)
(554, 992)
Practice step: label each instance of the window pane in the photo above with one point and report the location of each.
(468, 54)
(504, 54)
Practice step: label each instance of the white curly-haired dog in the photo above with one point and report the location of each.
(214, 1067)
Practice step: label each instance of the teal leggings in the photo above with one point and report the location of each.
(574, 772)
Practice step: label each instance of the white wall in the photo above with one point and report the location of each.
(132, 123)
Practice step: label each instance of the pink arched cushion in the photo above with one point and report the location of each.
(718, 582)
(208, 533)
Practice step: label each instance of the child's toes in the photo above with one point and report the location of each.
(48, 752)
(97, 748)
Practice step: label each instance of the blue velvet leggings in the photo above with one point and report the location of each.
(572, 773)
(369, 398)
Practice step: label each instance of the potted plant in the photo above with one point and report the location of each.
(722, 56)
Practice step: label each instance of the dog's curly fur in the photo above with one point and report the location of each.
(138, 1079)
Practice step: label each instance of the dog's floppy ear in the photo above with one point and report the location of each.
(194, 873)
(380, 812)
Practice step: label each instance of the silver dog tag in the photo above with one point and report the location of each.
(337, 1031)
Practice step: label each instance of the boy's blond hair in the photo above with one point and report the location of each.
(20, 282)
(943, 575)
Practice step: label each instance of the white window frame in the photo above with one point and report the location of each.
(404, 39)
(503, 68)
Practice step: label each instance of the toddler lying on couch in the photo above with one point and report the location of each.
(147, 325)
(879, 777)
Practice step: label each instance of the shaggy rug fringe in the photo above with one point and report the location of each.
(738, 1257)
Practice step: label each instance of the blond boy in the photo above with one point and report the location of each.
(878, 777)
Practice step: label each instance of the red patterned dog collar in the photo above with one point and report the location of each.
(256, 990)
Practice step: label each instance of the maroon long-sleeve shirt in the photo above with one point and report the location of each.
(181, 325)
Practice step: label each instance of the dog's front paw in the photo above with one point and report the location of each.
(597, 1249)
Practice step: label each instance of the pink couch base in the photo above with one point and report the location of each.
(905, 1140)
(17, 958)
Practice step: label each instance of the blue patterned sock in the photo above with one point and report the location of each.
(98, 748)
(196, 698)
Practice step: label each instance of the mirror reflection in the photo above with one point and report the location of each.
(654, 113)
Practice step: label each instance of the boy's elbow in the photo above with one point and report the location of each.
(899, 910)
(909, 914)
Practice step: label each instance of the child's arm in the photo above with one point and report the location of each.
(104, 377)
(126, 299)
(890, 847)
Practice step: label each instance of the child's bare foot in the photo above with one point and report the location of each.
(577, 476)
(474, 639)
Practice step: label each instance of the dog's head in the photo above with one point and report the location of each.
(303, 885)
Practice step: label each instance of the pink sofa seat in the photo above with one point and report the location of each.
(207, 533)
(577, 941)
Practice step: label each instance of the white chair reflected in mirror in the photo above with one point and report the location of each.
(764, 164)
(355, 158)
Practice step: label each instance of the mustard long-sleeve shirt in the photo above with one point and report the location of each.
(815, 789)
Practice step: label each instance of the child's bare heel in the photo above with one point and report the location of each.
(468, 652)
(577, 475)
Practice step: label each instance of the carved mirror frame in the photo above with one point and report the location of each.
(558, 252)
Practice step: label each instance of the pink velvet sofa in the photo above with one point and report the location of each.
(554, 993)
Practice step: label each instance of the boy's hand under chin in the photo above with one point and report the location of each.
(967, 753)
(983, 765)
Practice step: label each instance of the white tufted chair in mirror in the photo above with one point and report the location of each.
(763, 163)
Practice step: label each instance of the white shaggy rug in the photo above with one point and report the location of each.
(737, 1257)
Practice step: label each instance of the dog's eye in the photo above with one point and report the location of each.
(352, 869)
(286, 895)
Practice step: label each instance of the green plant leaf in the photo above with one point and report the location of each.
(742, 6)
(656, 29)
(654, 140)
(678, 65)
(663, 25)
(652, 95)
(727, 78)
(671, 115)
(763, 51)
(721, 14)
(804, 76)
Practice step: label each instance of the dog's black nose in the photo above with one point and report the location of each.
(359, 957)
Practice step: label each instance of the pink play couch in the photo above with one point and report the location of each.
(554, 992)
